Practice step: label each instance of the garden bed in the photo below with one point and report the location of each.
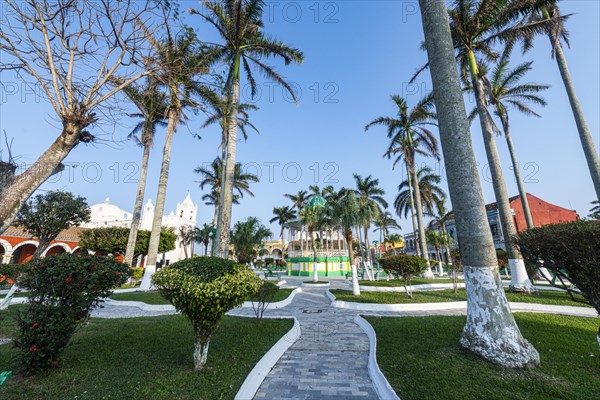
(422, 359)
(149, 358)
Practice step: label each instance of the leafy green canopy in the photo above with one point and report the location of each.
(114, 240)
(205, 288)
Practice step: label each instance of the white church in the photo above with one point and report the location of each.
(105, 215)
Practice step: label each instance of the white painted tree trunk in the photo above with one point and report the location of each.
(420, 221)
(412, 212)
(490, 330)
(355, 286)
(201, 343)
(8, 298)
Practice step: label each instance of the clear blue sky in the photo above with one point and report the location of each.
(357, 53)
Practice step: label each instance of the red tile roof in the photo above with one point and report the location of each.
(72, 234)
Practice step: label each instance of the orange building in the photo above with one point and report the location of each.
(17, 246)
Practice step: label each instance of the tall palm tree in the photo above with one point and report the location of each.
(490, 330)
(394, 239)
(556, 32)
(151, 102)
(439, 218)
(505, 91)
(370, 202)
(283, 215)
(299, 199)
(345, 213)
(410, 135)
(220, 106)
(178, 62)
(187, 237)
(438, 239)
(383, 223)
(240, 25)
(204, 235)
(312, 216)
(247, 236)
(212, 176)
(476, 26)
(430, 190)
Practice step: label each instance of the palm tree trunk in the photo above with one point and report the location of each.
(490, 330)
(446, 243)
(17, 189)
(520, 185)
(589, 149)
(161, 194)
(349, 240)
(412, 212)
(519, 279)
(137, 208)
(422, 240)
(315, 258)
(226, 192)
(368, 253)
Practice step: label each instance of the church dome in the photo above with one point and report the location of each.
(106, 212)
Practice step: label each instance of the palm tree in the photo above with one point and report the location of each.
(212, 176)
(439, 218)
(476, 26)
(383, 223)
(283, 215)
(595, 211)
(177, 61)
(152, 105)
(247, 236)
(186, 238)
(394, 239)
(345, 213)
(430, 190)
(220, 105)
(438, 240)
(312, 216)
(370, 202)
(490, 330)
(556, 32)
(410, 136)
(505, 92)
(240, 25)
(204, 235)
(299, 199)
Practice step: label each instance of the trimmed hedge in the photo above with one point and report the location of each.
(204, 289)
(569, 251)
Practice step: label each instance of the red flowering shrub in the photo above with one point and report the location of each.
(63, 290)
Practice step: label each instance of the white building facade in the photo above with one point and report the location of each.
(105, 215)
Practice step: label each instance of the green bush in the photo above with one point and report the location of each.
(136, 273)
(11, 271)
(204, 289)
(63, 289)
(261, 300)
(570, 252)
(405, 266)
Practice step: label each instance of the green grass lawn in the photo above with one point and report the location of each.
(413, 281)
(438, 296)
(156, 298)
(148, 358)
(421, 358)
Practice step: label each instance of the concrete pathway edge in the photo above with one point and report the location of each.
(462, 305)
(260, 371)
(380, 383)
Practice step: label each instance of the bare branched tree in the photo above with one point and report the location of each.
(69, 50)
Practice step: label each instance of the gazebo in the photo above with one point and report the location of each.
(332, 252)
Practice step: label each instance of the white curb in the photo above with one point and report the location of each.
(260, 371)
(279, 304)
(142, 306)
(428, 286)
(380, 383)
(316, 284)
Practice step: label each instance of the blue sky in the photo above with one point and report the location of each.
(357, 53)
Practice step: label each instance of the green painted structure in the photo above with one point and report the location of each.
(327, 265)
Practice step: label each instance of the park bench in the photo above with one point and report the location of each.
(272, 274)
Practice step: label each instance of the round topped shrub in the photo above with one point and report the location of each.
(204, 289)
